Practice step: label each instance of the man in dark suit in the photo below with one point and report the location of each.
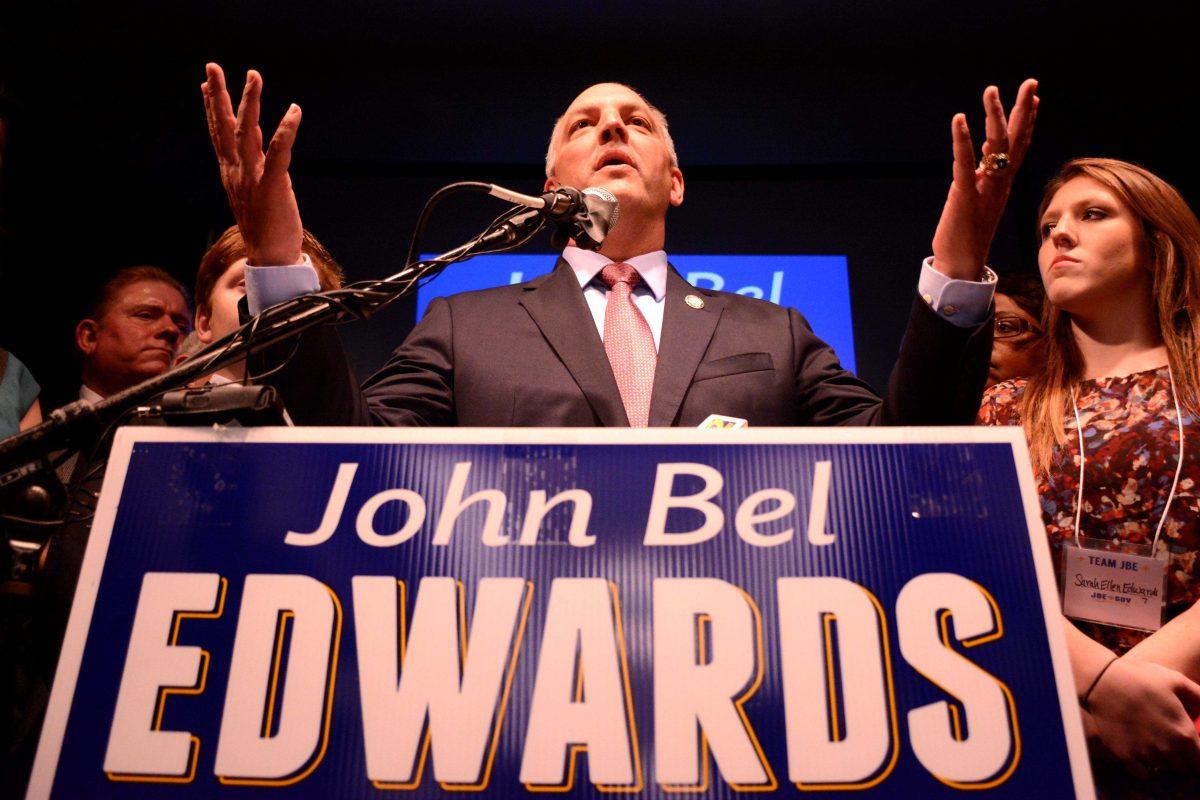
(538, 353)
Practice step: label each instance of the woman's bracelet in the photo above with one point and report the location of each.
(1087, 696)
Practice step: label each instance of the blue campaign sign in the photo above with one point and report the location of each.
(818, 286)
(350, 613)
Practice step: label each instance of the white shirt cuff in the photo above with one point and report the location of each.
(964, 303)
(268, 286)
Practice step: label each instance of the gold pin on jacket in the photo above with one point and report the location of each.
(694, 300)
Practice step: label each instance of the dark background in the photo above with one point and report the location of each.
(809, 127)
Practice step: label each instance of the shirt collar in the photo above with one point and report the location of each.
(651, 266)
(89, 394)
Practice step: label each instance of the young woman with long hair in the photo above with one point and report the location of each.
(1112, 423)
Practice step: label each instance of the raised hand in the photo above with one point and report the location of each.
(257, 183)
(978, 195)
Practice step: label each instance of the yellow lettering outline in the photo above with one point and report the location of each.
(630, 720)
(285, 618)
(894, 725)
(504, 694)
(331, 681)
(502, 707)
(165, 691)
(703, 623)
(402, 623)
(772, 783)
(1013, 726)
(827, 621)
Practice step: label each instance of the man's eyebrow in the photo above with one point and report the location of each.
(147, 305)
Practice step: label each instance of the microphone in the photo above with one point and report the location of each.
(587, 216)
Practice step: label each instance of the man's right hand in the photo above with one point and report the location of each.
(257, 183)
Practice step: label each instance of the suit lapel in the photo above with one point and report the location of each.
(685, 336)
(556, 304)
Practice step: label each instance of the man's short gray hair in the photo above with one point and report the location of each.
(660, 121)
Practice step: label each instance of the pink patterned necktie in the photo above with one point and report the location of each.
(629, 343)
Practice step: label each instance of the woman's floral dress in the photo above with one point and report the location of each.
(1131, 437)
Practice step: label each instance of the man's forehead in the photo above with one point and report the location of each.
(236, 271)
(150, 292)
(604, 93)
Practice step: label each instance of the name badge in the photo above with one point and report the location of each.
(1125, 588)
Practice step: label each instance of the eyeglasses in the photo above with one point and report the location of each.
(1010, 326)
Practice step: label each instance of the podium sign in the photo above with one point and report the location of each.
(360, 613)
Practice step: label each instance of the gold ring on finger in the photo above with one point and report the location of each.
(994, 163)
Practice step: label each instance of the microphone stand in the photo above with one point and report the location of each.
(32, 498)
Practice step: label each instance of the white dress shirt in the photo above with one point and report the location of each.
(648, 296)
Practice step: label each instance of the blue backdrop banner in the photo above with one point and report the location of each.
(363, 614)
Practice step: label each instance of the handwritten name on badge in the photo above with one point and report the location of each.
(1118, 589)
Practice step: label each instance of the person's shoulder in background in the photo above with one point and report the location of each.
(1002, 403)
(18, 393)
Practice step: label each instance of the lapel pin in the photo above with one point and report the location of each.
(695, 301)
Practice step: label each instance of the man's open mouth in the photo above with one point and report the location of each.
(614, 159)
